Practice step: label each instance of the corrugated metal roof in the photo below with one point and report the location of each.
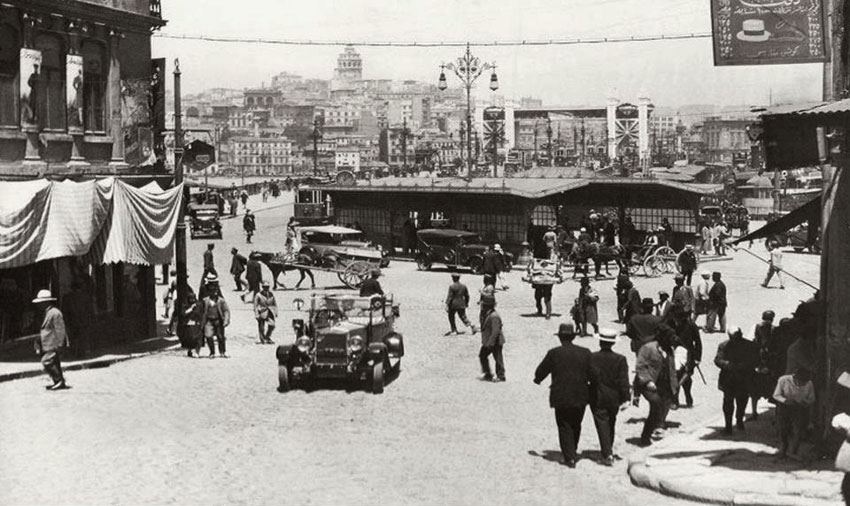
(809, 108)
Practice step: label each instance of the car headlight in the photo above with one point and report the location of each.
(303, 344)
(355, 344)
(380, 248)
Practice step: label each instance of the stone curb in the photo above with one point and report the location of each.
(88, 364)
(642, 475)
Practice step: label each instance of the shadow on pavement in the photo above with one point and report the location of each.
(549, 455)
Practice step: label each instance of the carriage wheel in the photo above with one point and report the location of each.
(635, 263)
(654, 266)
(666, 252)
(355, 274)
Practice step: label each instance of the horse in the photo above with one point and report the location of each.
(601, 254)
(278, 264)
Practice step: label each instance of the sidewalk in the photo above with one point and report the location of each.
(104, 358)
(741, 469)
(256, 204)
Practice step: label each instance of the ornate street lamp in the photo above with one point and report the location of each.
(467, 68)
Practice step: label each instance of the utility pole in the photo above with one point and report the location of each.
(404, 133)
(549, 137)
(180, 238)
(316, 136)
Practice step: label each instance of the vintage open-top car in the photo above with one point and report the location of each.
(344, 337)
(330, 245)
(454, 248)
(204, 221)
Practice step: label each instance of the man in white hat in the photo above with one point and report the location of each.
(265, 311)
(52, 338)
(609, 393)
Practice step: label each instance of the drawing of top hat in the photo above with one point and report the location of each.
(753, 31)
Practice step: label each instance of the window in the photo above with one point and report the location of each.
(9, 67)
(50, 101)
(94, 86)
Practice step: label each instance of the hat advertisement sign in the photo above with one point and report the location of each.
(752, 30)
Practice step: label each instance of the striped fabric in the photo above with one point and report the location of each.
(106, 221)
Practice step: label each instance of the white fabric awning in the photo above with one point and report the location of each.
(107, 220)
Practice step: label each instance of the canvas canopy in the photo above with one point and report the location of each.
(106, 220)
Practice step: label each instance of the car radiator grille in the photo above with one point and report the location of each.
(331, 348)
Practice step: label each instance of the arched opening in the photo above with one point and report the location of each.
(49, 83)
(94, 85)
(10, 51)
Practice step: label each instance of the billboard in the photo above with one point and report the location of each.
(765, 32)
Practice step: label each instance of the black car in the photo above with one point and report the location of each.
(453, 248)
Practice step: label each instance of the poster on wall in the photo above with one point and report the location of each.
(30, 78)
(74, 91)
(135, 115)
(767, 32)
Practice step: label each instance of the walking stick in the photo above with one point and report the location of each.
(782, 270)
(702, 377)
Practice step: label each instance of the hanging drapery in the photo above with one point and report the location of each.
(105, 220)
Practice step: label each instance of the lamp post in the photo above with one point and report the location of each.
(317, 136)
(467, 68)
(180, 237)
(549, 137)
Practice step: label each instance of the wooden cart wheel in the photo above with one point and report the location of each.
(666, 252)
(355, 274)
(654, 266)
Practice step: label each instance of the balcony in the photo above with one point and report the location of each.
(151, 8)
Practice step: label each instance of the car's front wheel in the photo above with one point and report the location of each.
(378, 378)
(283, 378)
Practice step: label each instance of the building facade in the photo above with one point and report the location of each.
(80, 97)
(726, 140)
(261, 156)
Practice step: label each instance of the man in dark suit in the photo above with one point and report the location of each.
(254, 275)
(492, 264)
(632, 306)
(612, 391)
(492, 341)
(569, 393)
(371, 286)
(457, 301)
(643, 328)
(237, 267)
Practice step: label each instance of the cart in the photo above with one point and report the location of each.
(352, 273)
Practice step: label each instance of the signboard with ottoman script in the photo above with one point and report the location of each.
(765, 32)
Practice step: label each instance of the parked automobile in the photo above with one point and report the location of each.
(344, 337)
(204, 221)
(798, 238)
(454, 248)
(330, 246)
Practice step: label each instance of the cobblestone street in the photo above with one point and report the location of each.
(169, 429)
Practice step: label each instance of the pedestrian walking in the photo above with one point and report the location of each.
(663, 306)
(736, 359)
(492, 342)
(633, 302)
(550, 239)
(209, 263)
(701, 300)
(492, 264)
(215, 318)
(249, 225)
(655, 379)
(243, 196)
(486, 296)
(237, 267)
(706, 235)
(794, 395)
(52, 338)
(643, 328)
(775, 265)
(265, 312)
(683, 299)
(622, 290)
(371, 286)
(716, 304)
(194, 334)
(610, 392)
(254, 276)
(689, 339)
(766, 372)
(687, 263)
(569, 393)
(588, 299)
(457, 300)
(543, 298)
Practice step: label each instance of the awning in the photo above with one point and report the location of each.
(810, 212)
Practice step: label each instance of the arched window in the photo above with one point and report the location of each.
(94, 85)
(250, 101)
(269, 100)
(10, 51)
(50, 103)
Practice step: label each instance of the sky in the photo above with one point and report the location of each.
(670, 73)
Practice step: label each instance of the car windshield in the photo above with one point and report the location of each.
(343, 306)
